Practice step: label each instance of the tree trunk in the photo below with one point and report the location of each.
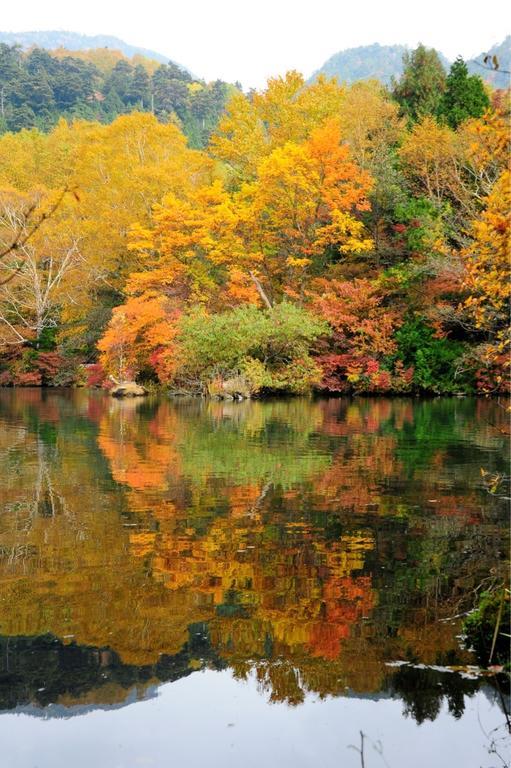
(260, 291)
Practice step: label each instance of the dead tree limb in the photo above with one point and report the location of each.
(261, 291)
(24, 234)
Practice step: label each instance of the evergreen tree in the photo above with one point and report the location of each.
(420, 88)
(170, 94)
(139, 90)
(39, 60)
(10, 68)
(21, 117)
(112, 105)
(464, 96)
(74, 83)
(120, 80)
(37, 93)
(38, 87)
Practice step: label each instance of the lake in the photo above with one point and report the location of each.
(188, 583)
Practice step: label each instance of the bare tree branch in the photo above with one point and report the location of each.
(24, 234)
(261, 291)
(490, 68)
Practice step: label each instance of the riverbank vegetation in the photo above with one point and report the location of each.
(332, 238)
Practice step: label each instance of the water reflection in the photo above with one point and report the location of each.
(302, 544)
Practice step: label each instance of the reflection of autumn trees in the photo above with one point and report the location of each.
(141, 459)
(295, 588)
(315, 540)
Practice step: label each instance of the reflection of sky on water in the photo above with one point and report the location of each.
(210, 719)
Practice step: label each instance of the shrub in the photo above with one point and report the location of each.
(29, 367)
(436, 361)
(270, 348)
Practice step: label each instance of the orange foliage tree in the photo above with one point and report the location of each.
(139, 337)
(218, 247)
(191, 247)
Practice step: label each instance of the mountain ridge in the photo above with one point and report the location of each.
(384, 62)
(374, 61)
(75, 41)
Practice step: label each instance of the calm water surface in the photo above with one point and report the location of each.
(189, 584)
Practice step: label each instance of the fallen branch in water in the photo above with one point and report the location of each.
(360, 749)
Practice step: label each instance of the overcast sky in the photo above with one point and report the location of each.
(250, 40)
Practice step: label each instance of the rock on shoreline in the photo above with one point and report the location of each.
(128, 389)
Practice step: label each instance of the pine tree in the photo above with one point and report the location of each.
(10, 67)
(120, 80)
(138, 92)
(464, 96)
(21, 117)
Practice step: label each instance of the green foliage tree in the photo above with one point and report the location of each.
(464, 97)
(120, 80)
(10, 65)
(436, 361)
(419, 89)
(418, 224)
(139, 91)
(37, 88)
(74, 84)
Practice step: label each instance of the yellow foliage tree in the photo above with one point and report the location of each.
(119, 171)
(304, 201)
(432, 157)
(370, 123)
(288, 110)
(487, 260)
(488, 280)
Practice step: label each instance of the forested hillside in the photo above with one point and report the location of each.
(329, 238)
(366, 62)
(38, 87)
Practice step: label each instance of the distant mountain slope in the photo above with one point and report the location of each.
(503, 53)
(73, 41)
(383, 62)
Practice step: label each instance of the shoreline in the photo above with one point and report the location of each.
(316, 394)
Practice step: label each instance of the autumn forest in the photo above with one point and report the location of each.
(311, 236)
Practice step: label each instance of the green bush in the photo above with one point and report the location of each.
(436, 361)
(422, 222)
(270, 348)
